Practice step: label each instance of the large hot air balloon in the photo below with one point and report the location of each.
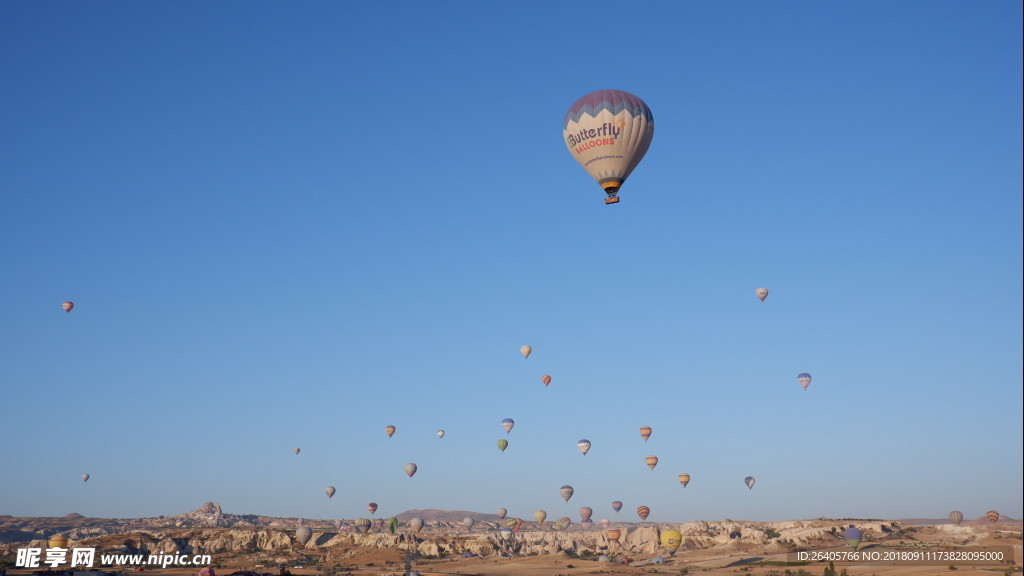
(956, 516)
(670, 540)
(440, 433)
(853, 536)
(762, 293)
(363, 525)
(68, 306)
(645, 431)
(749, 481)
(566, 492)
(652, 461)
(372, 507)
(501, 513)
(992, 516)
(684, 479)
(502, 444)
(608, 132)
(416, 524)
(85, 477)
(804, 379)
(585, 513)
(303, 534)
(545, 379)
(525, 351)
(614, 534)
(389, 430)
(410, 469)
(584, 446)
(643, 512)
(508, 424)
(468, 523)
(297, 450)
(539, 516)
(616, 505)
(329, 491)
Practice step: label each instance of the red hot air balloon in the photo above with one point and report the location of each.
(546, 379)
(68, 306)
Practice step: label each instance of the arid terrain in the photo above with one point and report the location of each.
(265, 545)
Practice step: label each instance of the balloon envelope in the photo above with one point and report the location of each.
(440, 433)
(617, 505)
(804, 379)
(614, 534)
(749, 481)
(416, 524)
(643, 512)
(363, 525)
(566, 492)
(303, 534)
(645, 431)
(584, 446)
(956, 516)
(85, 477)
(652, 461)
(508, 424)
(539, 516)
(992, 516)
(762, 293)
(608, 132)
(372, 507)
(684, 479)
(410, 469)
(467, 522)
(671, 539)
(297, 450)
(330, 491)
(57, 542)
(585, 513)
(853, 536)
(68, 306)
(525, 351)
(545, 379)
(389, 430)
(502, 444)
(502, 512)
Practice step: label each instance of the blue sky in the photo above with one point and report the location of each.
(292, 224)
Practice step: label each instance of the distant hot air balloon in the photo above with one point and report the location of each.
(992, 516)
(652, 461)
(508, 424)
(515, 524)
(608, 132)
(297, 450)
(68, 306)
(605, 522)
(645, 431)
(684, 479)
(389, 430)
(85, 477)
(643, 512)
(467, 522)
(207, 571)
(525, 351)
(566, 492)
(303, 534)
(585, 513)
(502, 444)
(956, 516)
(416, 524)
(57, 542)
(749, 481)
(372, 507)
(440, 433)
(363, 525)
(670, 540)
(563, 523)
(539, 516)
(614, 534)
(545, 379)
(501, 513)
(804, 379)
(393, 524)
(617, 505)
(329, 491)
(584, 446)
(853, 536)
(762, 293)
(410, 469)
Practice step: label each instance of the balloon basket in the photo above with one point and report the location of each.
(611, 200)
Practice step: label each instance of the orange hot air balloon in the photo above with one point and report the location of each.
(68, 306)
(389, 430)
(614, 534)
(652, 461)
(643, 512)
(645, 431)
(684, 479)
(546, 379)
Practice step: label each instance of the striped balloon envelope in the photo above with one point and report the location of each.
(608, 132)
(956, 516)
(645, 432)
(684, 479)
(643, 512)
(207, 571)
(614, 534)
(652, 461)
(992, 516)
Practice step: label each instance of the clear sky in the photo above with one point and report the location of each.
(290, 224)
